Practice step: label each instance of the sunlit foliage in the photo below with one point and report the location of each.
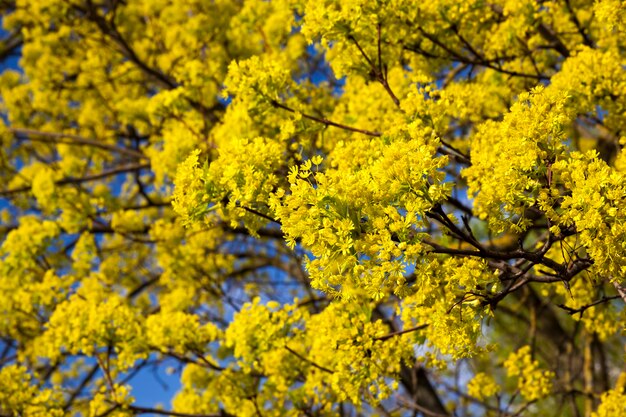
(313, 207)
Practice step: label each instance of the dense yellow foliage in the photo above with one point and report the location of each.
(313, 207)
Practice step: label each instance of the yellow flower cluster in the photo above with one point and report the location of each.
(336, 23)
(596, 83)
(179, 140)
(190, 199)
(532, 382)
(112, 402)
(611, 13)
(22, 397)
(529, 138)
(179, 332)
(361, 219)
(126, 221)
(257, 329)
(354, 149)
(482, 386)
(189, 263)
(25, 285)
(344, 339)
(83, 255)
(89, 322)
(242, 177)
(612, 404)
(346, 357)
(595, 205)
(447, 298)
(75, 208)
(257, 81)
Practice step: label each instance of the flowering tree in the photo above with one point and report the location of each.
(314, 207)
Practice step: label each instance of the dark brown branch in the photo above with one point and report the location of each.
(326, 121)
(457, 154)
(465, 42)
(581, 30)
(141, 287)
(545, 31)
(401, 332)
(39, 136)
(113, 171)
(258, 213)
(10, 44)
(376, 70)
(581, 310)
(424, 397)
(456, 56)
(307, 360)
(146, 410)
(83, 384)
(79, 180)
(110, 30)
(548, 34)
(459, 205)
(463, 157)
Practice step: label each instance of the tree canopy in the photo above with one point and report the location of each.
(313, 207)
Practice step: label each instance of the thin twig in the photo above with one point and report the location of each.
(581, 310)
(379, 75)
(71, 139)
(146, 410)
(78, 180)
(309, 361)
(326, 121)
(401, 332)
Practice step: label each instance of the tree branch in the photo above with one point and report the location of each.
(79, 180)
(307, 360)
(146, 410)
(401, 332)
(581, 310)
(39, 136)
(326, 121)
